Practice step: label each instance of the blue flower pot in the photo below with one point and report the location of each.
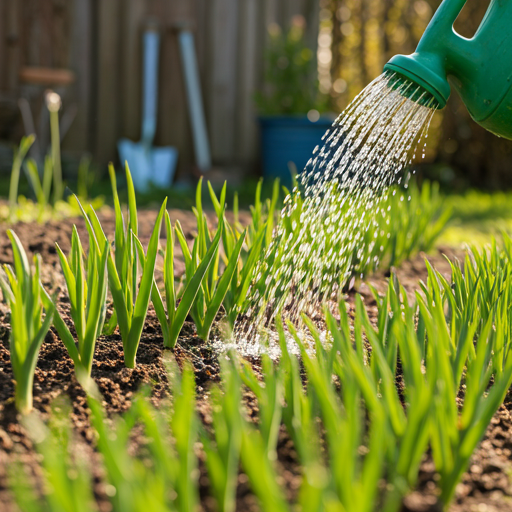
(287, 139)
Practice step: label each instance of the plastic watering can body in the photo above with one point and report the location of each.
(479, 69)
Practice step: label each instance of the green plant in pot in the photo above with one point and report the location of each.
(289, 103)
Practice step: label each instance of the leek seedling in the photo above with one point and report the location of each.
(132, 304)
(455, 435)
(124, 257)
(407, 431)
(19, 155)
(411, 220)
(213, 288)
(130, 297)
(65, 473)
(261, 472)
(172, 317)
(54, 103)
(166, 477)
(42, 190)
(87, 290)
(263, 213)
(22, 289)
(300, 420)
(248, 258)
(355, 478)
(184, 426)
(223, 453)
(270, 397)
(130, 480)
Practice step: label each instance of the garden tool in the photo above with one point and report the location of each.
(194, 97)
(479, 69)
(149, 164)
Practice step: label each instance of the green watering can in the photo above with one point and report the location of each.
(479, 69)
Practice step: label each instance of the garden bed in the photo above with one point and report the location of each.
(485, 487)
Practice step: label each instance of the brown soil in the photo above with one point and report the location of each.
(485, 487)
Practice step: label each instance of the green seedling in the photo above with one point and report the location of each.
(19, 155)
(184, 426)
(172, 316)
(163, 476)
(354, 479)
(87, 291)
(21, 288)
(130, 296)
(488, 375)
(67, 479)
(270, 398)
(223, 452)
(409, 427)
(263, 213)
(133, 485)
(250, 253)
(408, 221)
(260, 471)
(124, 257)
(41, 190)
(54, 104)
(213, 288)
(85, 177)
(160, 474)
(300, 418)
(132, 304)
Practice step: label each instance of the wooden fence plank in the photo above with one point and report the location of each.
(3, 41)
(224, 79)
(248, 58)
(14, 42)
(271, 9)
(80, 61)
(101, 41)
(201, 31)
(312, 14)
(109, 86)
(134, 13)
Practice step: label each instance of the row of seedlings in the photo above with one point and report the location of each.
(359, 440)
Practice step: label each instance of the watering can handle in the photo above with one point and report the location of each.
(448, 12)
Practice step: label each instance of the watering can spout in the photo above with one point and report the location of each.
(479, 69)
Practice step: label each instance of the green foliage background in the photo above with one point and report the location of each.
(357, 37)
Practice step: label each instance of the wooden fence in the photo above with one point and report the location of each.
(100, 40)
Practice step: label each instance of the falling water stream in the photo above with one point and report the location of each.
(320, 237)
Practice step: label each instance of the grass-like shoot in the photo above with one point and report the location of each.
(21, 288)
(172, 316)
(87, 290)
(214, 287)
(130, 294)
(41, 189)
(254, 241)
(19, 155)
(65, 470)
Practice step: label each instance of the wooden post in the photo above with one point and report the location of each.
(109, 84)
